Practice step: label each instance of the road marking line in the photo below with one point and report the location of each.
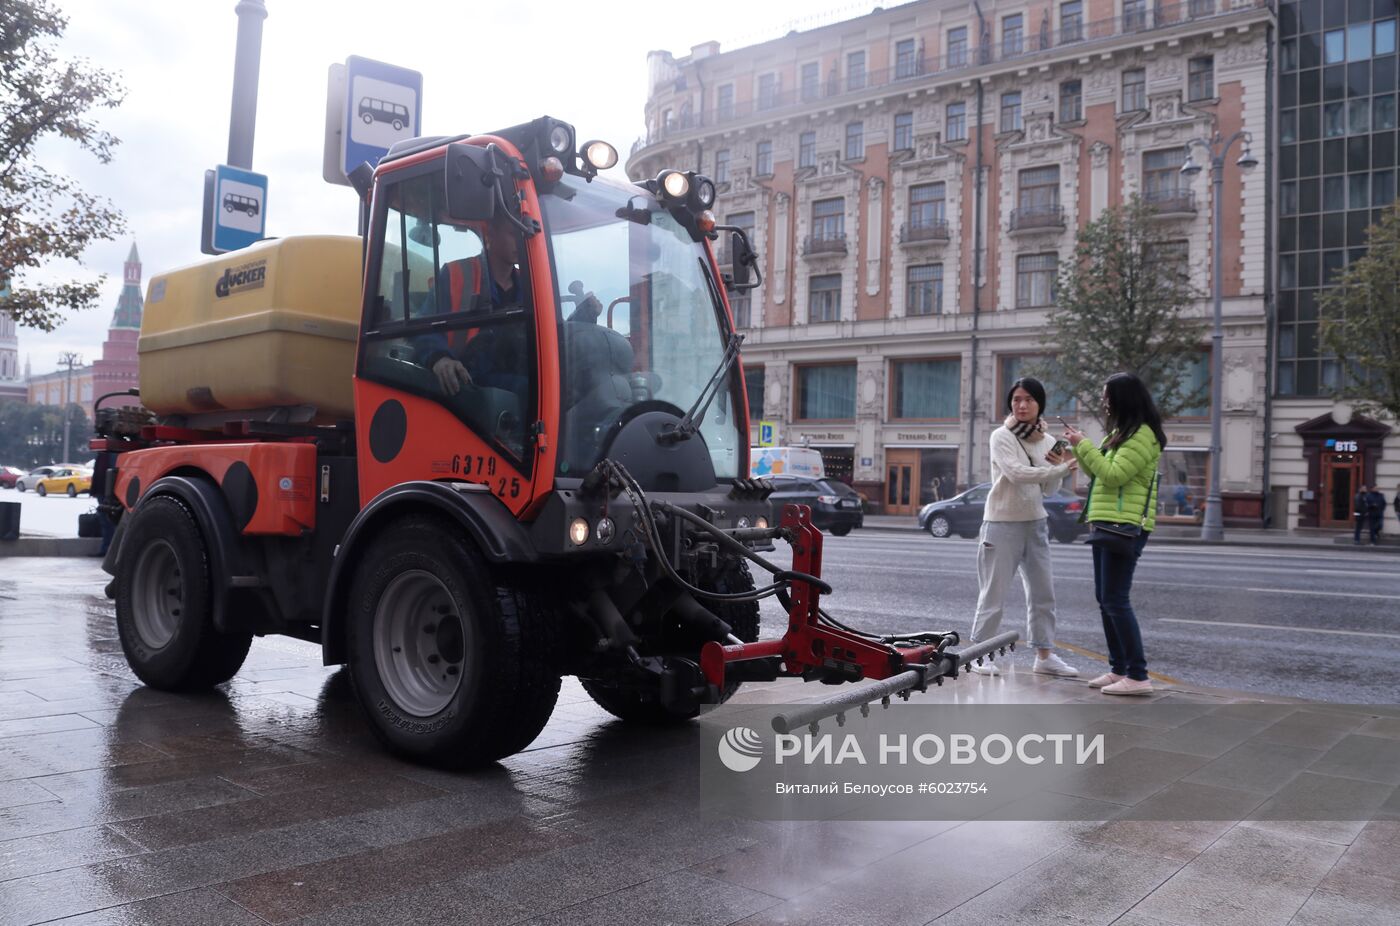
(1339, 633)
(1164, 679)
(1300, 591)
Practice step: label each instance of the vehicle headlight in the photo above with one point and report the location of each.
(561, 140)
(742, 523)
(578, 532)
(675, 183)
(599, 154)
(605, 531)
(761, 524)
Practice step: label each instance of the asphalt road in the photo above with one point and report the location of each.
(1302, 623)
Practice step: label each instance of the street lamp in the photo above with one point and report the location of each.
(1213, 524)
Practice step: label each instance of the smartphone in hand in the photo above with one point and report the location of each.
(1060, 446)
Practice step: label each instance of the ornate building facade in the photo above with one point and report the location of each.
(117, 370)
(914, 178)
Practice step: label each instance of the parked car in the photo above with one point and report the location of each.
(9, 475)
(962, 514)
(30, 480)
(67, 481)
(836, 507)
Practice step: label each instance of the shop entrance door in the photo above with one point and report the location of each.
(1341, 480)
(901, 478)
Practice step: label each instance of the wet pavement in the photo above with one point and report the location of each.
(269, 802)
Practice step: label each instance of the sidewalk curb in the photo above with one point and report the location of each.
(50, 546)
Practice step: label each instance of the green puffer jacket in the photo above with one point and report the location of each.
(1122, 478)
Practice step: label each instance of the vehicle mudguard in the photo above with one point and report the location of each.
(205, 500)
(486, 520)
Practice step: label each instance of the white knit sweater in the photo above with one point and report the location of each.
(1021, 477)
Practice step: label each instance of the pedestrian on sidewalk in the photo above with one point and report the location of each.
(1359, 505)
(1027, 465)
(1121, 511)
(1375, 513)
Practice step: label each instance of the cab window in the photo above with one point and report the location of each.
(451, 316)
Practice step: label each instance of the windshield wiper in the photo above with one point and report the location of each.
(690, 424)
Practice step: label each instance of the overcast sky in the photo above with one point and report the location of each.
(484, 66)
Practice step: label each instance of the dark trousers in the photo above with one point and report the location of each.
(1113, 582)
(1361, 520)
(1374, 524)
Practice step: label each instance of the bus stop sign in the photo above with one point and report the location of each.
(235, 209)
(383, 105)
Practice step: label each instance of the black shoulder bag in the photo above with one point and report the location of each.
(1112, 537)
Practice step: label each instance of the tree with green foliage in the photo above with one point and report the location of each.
(32, 435)
(1122, 306)
(1360, 323)
(45, 216)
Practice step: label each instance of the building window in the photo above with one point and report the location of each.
(1170, 259)
(828, 219)
(827, 392)
(904, 132)
(1134, 15)
(722, 166)
(767, 91)
(1385, 38)
(1012, 35)
(811, 80)
(1071, 101)
(855, 141)
(906, 59)
(1200, 80)
(1013, 366)
(1383, 112)
(924, 295)
(956, 127)
(855, 70)
(1200, 8)
(824, 298)
(725, 108)
(1072, 21)
(1035, 280)
(926, 388)
(1359, 41)
(753, 388)
(1359, 116)
(957, 47)
(1039, 190)
(807, 150)
(725, 257)
(763, 159)
(1334, 120)
(1334, 46)
(1134, 90)
(1011, 112)
(1162, 182)
(927, 205)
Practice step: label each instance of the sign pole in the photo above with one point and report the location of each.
(244, 114)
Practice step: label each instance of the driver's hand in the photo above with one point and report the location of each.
(451, 375)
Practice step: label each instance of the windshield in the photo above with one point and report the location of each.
(640, 326)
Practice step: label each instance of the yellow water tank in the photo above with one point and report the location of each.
(272, 325)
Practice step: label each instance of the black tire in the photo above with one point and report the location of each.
(841, 531)
(634, 706)
(72, 490)
(19, 486)
(43, 492)
(422, 575)
(165, 608)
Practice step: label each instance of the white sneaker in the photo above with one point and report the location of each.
(1128, 686)
(985, 668)
(1054, 665)
(1108, 678)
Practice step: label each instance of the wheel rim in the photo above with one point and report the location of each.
(420, 643)
(158, 594)
(938, 527)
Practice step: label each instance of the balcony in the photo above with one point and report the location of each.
(929, 232)
(776, 102)
(1037, 218)
(1170, 204)
(824, 245)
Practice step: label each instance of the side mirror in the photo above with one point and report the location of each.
(472, 181)
(743, 255)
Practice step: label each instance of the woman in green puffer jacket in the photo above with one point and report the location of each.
(1124, 491)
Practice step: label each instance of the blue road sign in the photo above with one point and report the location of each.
(238, 208)
(383, 105)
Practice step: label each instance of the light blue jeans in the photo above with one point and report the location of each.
(1005, 547)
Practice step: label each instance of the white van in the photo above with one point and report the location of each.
(787, 461)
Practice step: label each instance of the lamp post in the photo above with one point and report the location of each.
(1213, 525)
(70, 360)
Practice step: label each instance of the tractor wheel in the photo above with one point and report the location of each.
(635, 706)
(72, 490)
(43, 492)
(165, 609)
(451, 667)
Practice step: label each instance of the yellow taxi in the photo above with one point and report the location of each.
(68, 481)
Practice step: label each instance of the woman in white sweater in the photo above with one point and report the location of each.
(1014, 533)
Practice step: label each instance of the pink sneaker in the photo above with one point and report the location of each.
(1108, 678)
(1128, 686)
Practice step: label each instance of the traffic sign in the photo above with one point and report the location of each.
(235, 209)
(767, 434)
(383, 105)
